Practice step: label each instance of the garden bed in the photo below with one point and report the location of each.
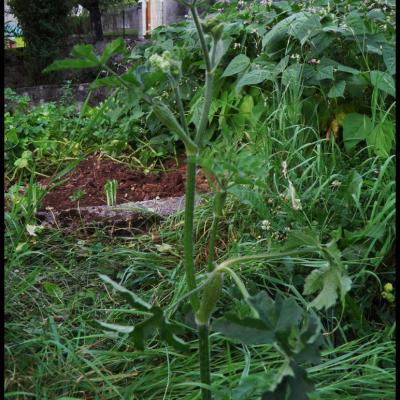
(141, 197)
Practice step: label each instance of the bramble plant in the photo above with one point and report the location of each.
(280, 322)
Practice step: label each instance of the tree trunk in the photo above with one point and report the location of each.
(95, 21)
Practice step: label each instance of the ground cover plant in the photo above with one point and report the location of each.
(301, 211)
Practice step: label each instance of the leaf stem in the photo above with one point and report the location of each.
(202, 38)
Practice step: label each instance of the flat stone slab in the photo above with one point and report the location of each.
(132, 215)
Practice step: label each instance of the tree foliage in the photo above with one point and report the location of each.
(45, 27)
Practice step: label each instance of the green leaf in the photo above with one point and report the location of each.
(115, 47)
(253, 78)
(292, 383)
(237, 65)
(337, 90)
(109, 81)
(332, 281)
(383, 81)
(53, 290)
(356, 127)
(389, 57)
(84, 51)
(140, 332)
(303, 237)
(71, 63)
(324, 72)
(250, 331)
(167, 118)
(376, 14)
(221, 47)
(250, 198)
(382, 138)
(134, 300)
(113, 327)
(304, 26)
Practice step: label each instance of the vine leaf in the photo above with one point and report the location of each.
(140, 332)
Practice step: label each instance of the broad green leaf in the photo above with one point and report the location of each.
(281, 66)
(237, 65)
(248, 330)
(383, 81)
(304, 26)
(221, 47)
(324, 72)
(251, 198)
(356, 127)
(382, 138)
(115, 47)
(376, 14)
(134, 300)
(337, 90)
(389, 57)
(274, 42)
(253, 78)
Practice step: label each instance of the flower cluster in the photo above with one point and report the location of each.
(165, 63)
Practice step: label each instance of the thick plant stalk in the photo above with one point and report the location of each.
(188, 230)
(204, 355)
(219, 202)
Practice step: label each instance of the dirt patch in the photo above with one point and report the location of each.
(86, 182)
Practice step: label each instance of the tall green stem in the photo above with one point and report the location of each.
(188, 230)
(204, 355)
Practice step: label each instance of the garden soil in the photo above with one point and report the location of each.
(90, 176)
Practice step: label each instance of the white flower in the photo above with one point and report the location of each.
(265, 225)
(335, 184)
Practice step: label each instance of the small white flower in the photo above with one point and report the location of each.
(335, 184)
(265, 225)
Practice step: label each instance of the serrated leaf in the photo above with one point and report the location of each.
(237, 65)
(134, 300)
(337, 90)
(332, 282)
(112, 48)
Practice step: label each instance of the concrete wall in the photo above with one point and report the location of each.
(163, 12)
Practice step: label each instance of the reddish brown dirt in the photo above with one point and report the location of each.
(91, 175)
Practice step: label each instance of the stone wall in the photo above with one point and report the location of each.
(53, 93)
